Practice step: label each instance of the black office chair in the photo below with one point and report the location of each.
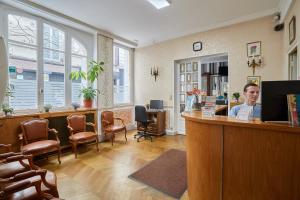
(142, 119)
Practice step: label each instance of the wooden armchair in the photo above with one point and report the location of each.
(26, 185)
(78, 134)
(109, 126)
(16, 164)
(34, 138)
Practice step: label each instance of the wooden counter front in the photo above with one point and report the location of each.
(229, 159)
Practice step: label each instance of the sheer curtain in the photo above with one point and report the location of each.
(3, 69)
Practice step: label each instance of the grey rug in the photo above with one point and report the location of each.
(167, 173)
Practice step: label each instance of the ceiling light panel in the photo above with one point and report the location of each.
(158, 4)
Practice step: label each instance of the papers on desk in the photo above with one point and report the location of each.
(209, 109)
(245, 113)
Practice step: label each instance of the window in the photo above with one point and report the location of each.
(121, 75)
(22, 48)
(40, 56)
(79, 63)
(54, 66)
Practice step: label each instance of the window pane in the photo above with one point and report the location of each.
(22, 29)
(79, 63)
(23, 76)
(121, 76)
(54, 80)
(53, 38)
(78, 48)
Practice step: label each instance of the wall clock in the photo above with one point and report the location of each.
(197, 46)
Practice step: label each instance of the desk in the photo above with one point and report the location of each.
(158, 127)
(228, 159)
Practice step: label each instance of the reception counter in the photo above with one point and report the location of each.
(228, 159)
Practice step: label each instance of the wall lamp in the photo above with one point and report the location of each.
(154, 72)
(254, 62)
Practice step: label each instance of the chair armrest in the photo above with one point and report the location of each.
(120, 119)
(21, 158)
(7, 147)
(71, 130)
(9, 154)
(55, 132)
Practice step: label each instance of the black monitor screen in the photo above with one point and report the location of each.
(156, 104)
(274, 99)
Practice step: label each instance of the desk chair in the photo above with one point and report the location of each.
(142, 119)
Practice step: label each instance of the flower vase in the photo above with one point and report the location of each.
(189, 103)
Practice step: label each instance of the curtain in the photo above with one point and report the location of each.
(3, 69)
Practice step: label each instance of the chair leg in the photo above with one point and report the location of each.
(112, 139)
(125, 133)
(74, 147)
(97, 143)
(58, 155)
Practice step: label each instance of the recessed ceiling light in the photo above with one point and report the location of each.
(158, 4)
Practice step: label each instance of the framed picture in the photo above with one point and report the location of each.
(292, 29)
(254, 49)
(254, 79)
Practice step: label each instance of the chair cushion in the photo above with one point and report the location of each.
(82, 136)
(10, 169)
(114, 128)
(40, 147)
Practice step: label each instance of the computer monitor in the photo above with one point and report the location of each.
(274, 99)
(156, 104)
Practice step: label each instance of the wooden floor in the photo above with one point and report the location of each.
(104, 174)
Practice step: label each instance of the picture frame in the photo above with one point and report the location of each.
(292, 30)
(197, 46)
(254, 49)
(254, 79)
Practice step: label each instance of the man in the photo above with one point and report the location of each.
(251, 93)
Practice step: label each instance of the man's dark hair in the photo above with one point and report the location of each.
(249, 85)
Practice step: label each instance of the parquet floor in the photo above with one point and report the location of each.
(104, 174)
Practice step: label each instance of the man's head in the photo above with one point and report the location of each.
(251, 93)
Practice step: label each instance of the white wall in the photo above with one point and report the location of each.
(231, 40)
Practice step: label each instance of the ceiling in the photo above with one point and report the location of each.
(139, 21)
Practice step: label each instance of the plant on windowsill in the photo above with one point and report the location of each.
(47, 107)
(89, 93)
(5, 107)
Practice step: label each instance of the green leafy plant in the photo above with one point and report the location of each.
(236, 96)
(94, 69)
(6, 109)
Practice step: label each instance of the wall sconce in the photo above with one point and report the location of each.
(154, 72)
(254, 62)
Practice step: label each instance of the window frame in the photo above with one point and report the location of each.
(131, 77)
(69, 32)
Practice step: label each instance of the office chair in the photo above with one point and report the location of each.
(142, 119)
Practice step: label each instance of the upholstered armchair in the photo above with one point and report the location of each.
(78, 134)
(27, 185)
(109, 126)
(34, 138)
(12, 164)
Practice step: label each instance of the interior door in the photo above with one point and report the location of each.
(187, 77)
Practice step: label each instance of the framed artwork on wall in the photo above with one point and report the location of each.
(254, 49)
(254, 79)
(292, 30)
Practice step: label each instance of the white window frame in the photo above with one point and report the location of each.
(131, 77)
(70, 32)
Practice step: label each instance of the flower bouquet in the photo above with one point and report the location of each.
(193, 100)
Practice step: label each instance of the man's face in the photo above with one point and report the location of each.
(252, 94)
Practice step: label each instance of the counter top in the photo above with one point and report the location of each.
(196, 116)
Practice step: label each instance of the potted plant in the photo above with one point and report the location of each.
(47, 107)
(7, 110)
(236, 96)
(89, 93)
(76, 106)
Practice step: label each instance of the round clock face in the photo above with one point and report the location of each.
(197, 46)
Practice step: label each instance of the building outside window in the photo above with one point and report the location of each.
(121, 75)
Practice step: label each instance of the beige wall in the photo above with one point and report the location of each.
(287, 47)
(231, 40)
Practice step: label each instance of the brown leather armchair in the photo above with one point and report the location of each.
(78, 134)
(109, 126)
(17, 164)
(26, 185)
(34, 138)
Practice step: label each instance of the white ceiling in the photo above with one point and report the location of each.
(138, 20)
